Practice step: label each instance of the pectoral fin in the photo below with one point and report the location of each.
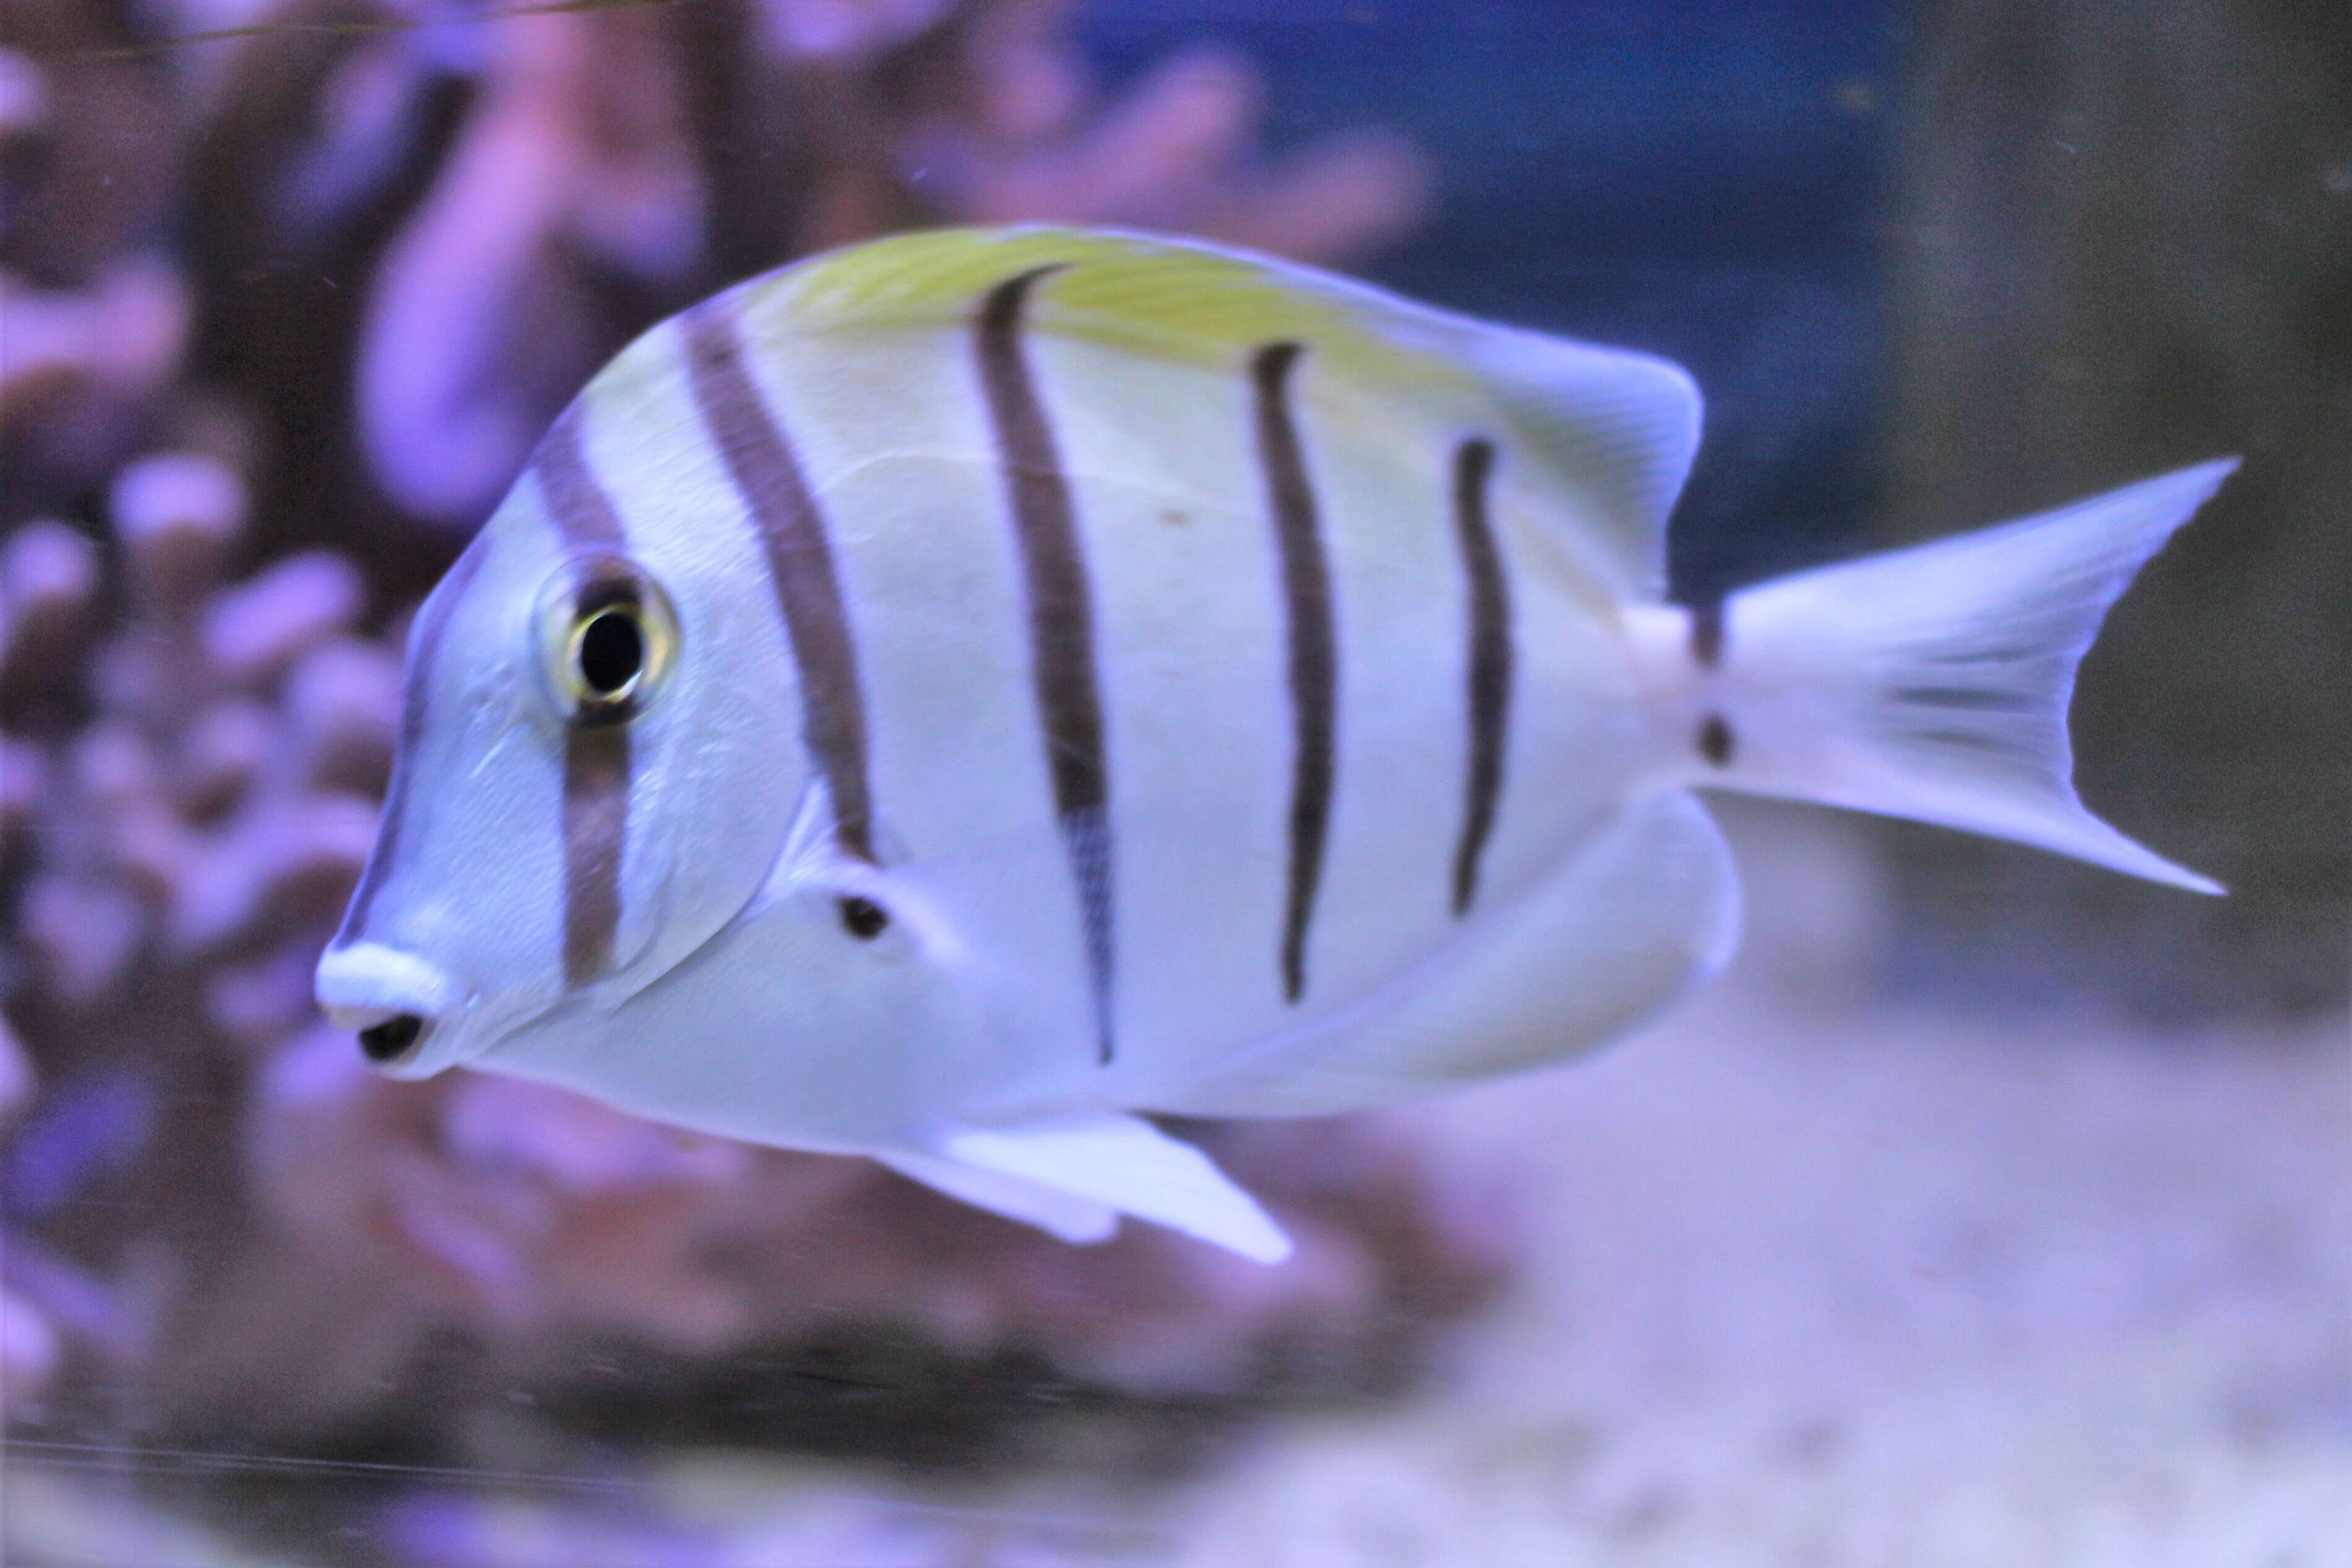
(1062, 1173)
(876, 898)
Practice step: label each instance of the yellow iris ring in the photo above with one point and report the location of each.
(586, 592)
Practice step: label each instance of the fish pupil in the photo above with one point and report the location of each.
(612, 653)
(863, 918)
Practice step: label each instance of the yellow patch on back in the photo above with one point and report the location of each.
(1185, 303)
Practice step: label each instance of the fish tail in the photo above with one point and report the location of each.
(1929, 683)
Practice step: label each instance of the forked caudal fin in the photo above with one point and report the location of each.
(1928, 682)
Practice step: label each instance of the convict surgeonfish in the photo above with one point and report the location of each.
(950, 698)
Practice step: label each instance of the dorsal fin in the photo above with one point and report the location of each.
(1613, 432)
(1623, 426)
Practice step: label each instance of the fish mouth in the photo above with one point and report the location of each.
(395, 1003)
(412, 1018)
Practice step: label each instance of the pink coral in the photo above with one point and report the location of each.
(542, 1221)
(221, 803)
(407, 245)
(574, 199)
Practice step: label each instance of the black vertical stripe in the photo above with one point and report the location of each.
(1061, 621)
(596, 830)
(596, 757)
(1706, 633)
(768, 475)
(1314, 648)
(576, 503)
(1490, 662)
(424, 658)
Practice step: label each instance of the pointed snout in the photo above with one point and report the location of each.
(392, 1000)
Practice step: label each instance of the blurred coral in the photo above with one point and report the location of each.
(217, 803)
(488, 212)
(84, 365)
(404, 243)
(87, 137)
(28, 1345)
(576, 157)
(550, 1229)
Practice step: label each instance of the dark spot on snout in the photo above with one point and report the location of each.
(386, 1042)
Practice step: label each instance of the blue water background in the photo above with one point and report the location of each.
(1703, 180)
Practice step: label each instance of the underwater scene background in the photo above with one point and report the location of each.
(1993, 1210)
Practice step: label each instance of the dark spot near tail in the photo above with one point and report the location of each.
(1714, 741)
(1706, 633)
(863, 918)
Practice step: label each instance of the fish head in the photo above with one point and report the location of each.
(596, 768)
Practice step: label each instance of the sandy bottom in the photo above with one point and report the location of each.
(1878, 1291)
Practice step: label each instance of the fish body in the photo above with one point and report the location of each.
(948, 697)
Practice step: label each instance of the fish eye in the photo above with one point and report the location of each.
(608, 652)
(610, 637)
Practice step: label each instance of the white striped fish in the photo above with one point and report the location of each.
(950, 698)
